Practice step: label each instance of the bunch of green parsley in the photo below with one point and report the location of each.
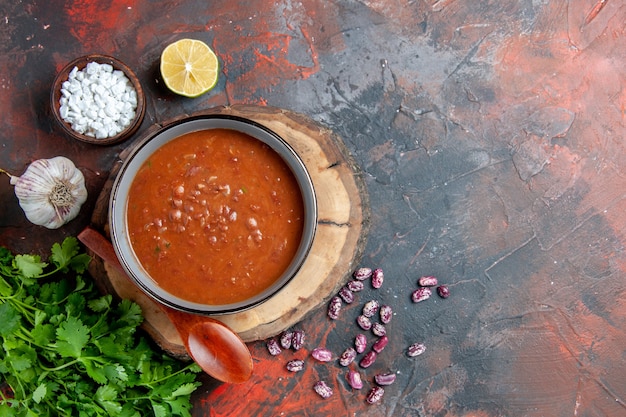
(68, 350)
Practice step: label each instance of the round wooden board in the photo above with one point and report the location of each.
(342, 228)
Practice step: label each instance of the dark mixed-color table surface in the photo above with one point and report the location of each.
(490, 136)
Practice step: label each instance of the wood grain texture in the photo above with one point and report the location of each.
(343, 222)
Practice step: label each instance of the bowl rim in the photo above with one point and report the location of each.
(81, 62)
(145, 148)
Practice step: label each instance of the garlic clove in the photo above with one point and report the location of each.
(51, 191)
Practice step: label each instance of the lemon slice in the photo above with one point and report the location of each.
(189, 67)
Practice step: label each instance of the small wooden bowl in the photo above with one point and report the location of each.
(81, 63)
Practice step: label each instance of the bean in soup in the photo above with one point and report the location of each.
(215, 216)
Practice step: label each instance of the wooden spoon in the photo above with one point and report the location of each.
(218, 350)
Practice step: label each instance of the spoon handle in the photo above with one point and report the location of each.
(214, 346)
(101, 246)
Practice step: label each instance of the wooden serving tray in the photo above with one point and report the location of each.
(343, 223)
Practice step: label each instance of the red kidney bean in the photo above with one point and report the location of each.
(297, 340)
(322, 354)
(295, 365)
(334, 307)
(386, 312)
(360, 343)
(370, 308)
(285, 339)
(368, 359)
(377, 278)
(416, 349)
(322, 389)
(379, 329)
(364, 322)
(347, 357)
(346, 295)
(375, 395)
(380, 344)
(362, 274)
(355, 286)
(427, 281)
(421, 294)
(354, 379)
(385, 379)
(443, 291)
(273, 347)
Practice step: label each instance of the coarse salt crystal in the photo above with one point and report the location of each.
(93, 100)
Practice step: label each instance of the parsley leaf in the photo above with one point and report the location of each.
(65, 349)
(106, 396)
(184, 389)
(72, 337)
(101, 304)
(29, 265)
(9, 320)
(130, 313)
(40, 392)
(62, 254)
(43, 334)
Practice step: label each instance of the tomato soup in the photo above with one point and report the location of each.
(215, 216)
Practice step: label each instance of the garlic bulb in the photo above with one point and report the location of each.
(50, 192)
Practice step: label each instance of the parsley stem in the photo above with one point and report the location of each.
(52, 272)
(173, 374)
(22, 307)
(58, 368)
(82, 359)
(66, 348)
(26, 336)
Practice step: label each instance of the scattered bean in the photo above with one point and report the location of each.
(322, 389)
(360, 343)
(368, 359)
(334, 307)
(370, 308)
(385, 379)
(322, 354)
(386, 313)
(297, 340)
(355, 286)
(364, 322)
(285, 339)
(377, 278)
(421, 294)
(443, 291)
(354, 379)
(379, 329)
(427, 281)
(416, 349)
(295, 365)
(346, 295)
(375, 395)
(380, 344)
(273, 347)
(362, 274)
(347, 357)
